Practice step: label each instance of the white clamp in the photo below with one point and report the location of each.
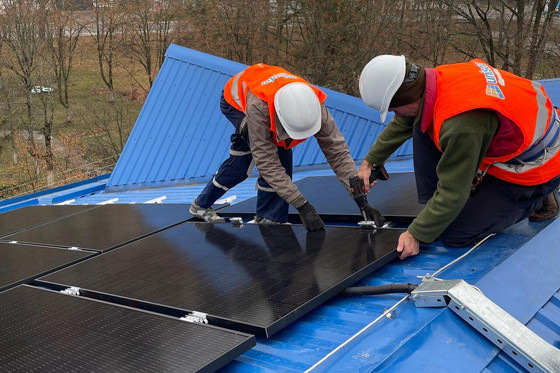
(72, 290)
(195, 317)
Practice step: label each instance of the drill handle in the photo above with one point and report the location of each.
(378, 173)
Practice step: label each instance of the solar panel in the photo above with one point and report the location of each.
(17, 220)
(23, 263)
(255, 278)
(105, 227)
(45, 331)
(395, 198)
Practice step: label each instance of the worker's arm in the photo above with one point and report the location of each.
(265, 152)
(334, 148)
(464, 140)
(394, 135)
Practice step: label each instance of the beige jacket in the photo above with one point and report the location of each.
(265, 151)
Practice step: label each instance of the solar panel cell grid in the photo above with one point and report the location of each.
(50, 332)
(258, 277)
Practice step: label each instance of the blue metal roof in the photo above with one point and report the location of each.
(518, 268)
(552, 88)
(508, 268)
(181, 136)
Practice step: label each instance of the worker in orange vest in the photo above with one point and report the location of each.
(272, 111)
(486, 146)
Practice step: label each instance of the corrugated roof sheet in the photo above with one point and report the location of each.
(181, 136)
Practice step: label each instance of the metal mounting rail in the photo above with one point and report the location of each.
(519, 342)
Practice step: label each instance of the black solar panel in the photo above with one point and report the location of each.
(253, 278)
(23, 263)
(45, 331)
(17, 220)
(105, 227)
(395, 198)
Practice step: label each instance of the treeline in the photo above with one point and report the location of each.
(73, 73)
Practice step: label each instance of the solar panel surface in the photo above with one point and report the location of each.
(26, 217)
(105, 227)
(45, 331)
(23, 263)
(255, 278)
(395, 198)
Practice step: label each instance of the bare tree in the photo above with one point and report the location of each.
(1, 45)
(425, 29)
(63, 32)
(47, 111)
(21, 39)
(511, 34)
(8, 120)
(109, 127)
(107, 35)
(336, 38)
(150, 24)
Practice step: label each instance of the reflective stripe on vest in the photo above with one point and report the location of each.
(235, 91)
(543, 150)
(546, 142)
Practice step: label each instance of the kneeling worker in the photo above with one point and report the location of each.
(486, 146)
(272, 111)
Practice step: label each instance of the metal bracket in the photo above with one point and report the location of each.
(195, 317)
(507, 333)
(72, 290)
(367, 224)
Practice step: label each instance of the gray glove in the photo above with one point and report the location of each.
(375, 215)
(310, 218)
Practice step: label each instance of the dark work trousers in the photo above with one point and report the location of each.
(238, 167)
(494, 206)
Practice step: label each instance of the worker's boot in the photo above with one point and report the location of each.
(550, 207)
(206, 214)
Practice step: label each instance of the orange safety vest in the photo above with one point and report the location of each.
(476, 85)
(264, 81)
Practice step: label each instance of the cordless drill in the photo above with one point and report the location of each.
(358, 189)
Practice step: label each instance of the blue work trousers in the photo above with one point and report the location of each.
(238, 167)
(491, 208)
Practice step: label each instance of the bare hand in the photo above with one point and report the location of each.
(364, 172)
(408, 245)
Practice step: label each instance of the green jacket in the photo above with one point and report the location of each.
(464, 140)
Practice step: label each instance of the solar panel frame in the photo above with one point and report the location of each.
(21, 264)
(52, 332)
(105, 227)
(156, 274)
(395, 198)
(31, 216)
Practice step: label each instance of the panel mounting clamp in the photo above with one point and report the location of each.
(367, 224)
(72, 290)
(195, 317)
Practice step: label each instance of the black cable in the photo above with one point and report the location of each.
(378, 290)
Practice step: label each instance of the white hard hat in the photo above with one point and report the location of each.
(298, 109)
(380, 80)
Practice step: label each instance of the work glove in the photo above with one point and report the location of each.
(374, 214)
(309, 217)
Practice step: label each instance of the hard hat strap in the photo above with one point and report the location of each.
(412, 74)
